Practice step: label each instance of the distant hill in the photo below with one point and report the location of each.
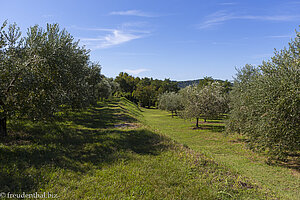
(183, 84)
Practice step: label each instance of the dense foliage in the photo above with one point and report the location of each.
(265, 103)
(42, 73)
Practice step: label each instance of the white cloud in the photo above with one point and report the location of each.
(112, 37)
(227, 3)
(136, 71)
(280, 36)
(115, 37)
(215, 19)
(137, 13)
(220, 17)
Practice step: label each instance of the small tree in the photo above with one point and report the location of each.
(207, 101)
(170, 101)
(104, 89)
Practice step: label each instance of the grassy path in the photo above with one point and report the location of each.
(105, 152)
(227, 150)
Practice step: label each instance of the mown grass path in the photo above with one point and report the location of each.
(229, 151)
(105, 152)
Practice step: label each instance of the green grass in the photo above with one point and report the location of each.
(229, 151)
(105, 152)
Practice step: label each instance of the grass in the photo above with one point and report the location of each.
(229, 151)
(105, 152)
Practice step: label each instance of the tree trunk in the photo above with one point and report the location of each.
(197, 123)
(172, 113)
(204, 119)
(3, 128)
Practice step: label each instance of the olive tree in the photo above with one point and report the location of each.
(42, 73)
(14, 70)
(65, 74)
(170, 101)
(265, 103)
(241, 97)
(104, 89)
(205, 102)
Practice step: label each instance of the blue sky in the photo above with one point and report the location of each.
(176, 39)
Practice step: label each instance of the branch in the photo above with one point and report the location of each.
(12, 83)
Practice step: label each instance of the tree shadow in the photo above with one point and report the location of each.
(101, 117)
(32, 148)
(292, 161)
(210, 127)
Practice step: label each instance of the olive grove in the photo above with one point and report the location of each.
(42, 73)
(265, 103)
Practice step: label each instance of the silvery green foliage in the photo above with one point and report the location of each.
(14, 66)
(105, 88)
(205, 102)
(170, 101)
(64, 75)
(44, 72)
(265, 103)
(240, 98)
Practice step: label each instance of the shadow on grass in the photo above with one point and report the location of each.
(33, 148)
(292, 161)
(101, 116)
(210, 127)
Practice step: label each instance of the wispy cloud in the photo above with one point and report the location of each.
(227, 3)
(134, 54)
(110, 37)
(115, 37)
(136, 71)
(137, 13)
(215, 19)
(221, 43)
(279, 36)
(221, 17)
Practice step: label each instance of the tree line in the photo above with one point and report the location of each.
(143, 91)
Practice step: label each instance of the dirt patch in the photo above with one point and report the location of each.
(127, 125)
